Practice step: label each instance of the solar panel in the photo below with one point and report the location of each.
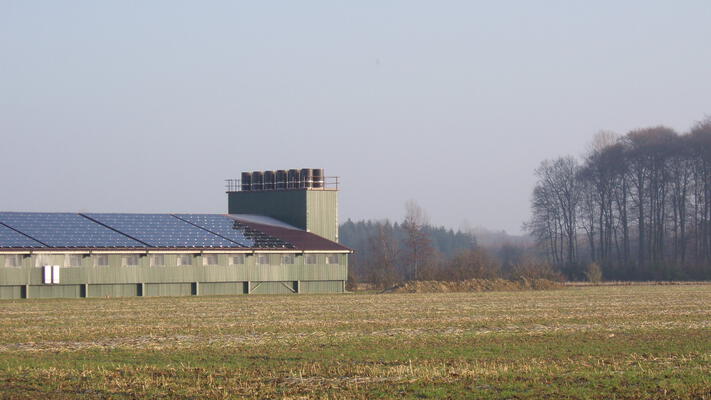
(219, 225)
(13, 239)
(261, 239)
(65, 230)
(235, 231)
(161, 230)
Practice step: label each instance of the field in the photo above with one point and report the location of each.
(589, 342)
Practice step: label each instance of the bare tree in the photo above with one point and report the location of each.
(472, 264)
(642, 204)
(384, 254)
(649, 150)
(601, 141)
(700, 139)
(555, 208)
(601, 177)
(418, 245)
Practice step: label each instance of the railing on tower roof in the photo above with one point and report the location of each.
(237, 185)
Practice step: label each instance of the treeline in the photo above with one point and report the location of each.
(388, 253)
(638, 206)
(447, 242)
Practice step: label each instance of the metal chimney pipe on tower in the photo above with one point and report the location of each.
(269, 180)
(292, 179)
(318, 178)
(246, 181)
(257, 180)
(280, 179)
(304, 178)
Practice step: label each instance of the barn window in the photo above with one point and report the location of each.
(185, 259)
(311, 259)
(157, 260)
(101, 260)
(263, 259)
(130, 260)
(209, 259)
(287, 259)
(72, 260)
(13, 260)
(332, 259)
(237, 259)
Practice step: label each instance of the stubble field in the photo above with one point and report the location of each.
(590, 342)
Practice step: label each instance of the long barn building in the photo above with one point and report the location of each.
(280, 236)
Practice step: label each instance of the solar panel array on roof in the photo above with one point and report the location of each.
(261, 239)
(104, 230)
(219, 225)
(65, 230)
(236, 231)
(162, 230)
(12, 239)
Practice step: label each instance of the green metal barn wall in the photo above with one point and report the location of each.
(52, 291)
(313, 210)
(322, 213)
(221, 288)
(321, 286)
(273, 287)
(116, 280)
(113, 290)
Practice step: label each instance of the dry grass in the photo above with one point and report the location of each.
(635, 283)
(474, 285)
(601, 342)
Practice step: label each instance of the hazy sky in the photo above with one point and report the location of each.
(147, 106)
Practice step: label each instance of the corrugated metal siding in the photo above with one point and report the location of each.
(322, 213)
(16, 276)
(321, 287)
(222, 288)
(10, 292)
(273, 287)
(172, 289)
(236, 273)
(53, 291)
(322, 272)
(120, 290)
(168, 289)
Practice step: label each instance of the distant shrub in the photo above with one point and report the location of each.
(533, 269)
(352, 282)
(471, 264)
(593, 273)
